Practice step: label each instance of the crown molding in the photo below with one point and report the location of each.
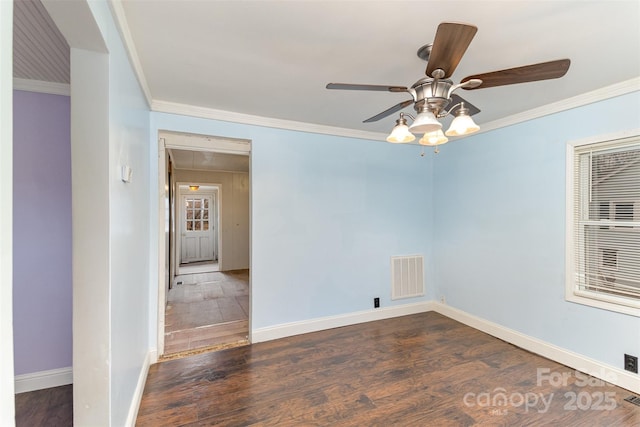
(618, 89)
(123, 28)
(229, 116)
(40, 86)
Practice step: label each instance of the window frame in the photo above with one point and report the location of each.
(585, 297)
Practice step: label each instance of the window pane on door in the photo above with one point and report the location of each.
(197, 214)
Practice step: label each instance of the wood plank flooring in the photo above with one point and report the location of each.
(51, 407)
(207, 309)
(417, 370)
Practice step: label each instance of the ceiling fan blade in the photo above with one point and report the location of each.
(451, 42)
(527, 73)
(389, 111)
(380, 88)
(455, 100)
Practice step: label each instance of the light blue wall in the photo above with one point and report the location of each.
(499, 230)
(128, 221)
(327, 214)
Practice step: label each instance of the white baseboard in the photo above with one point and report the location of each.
(137, 394)
(330, 322)
(153, 356)
(43, 379)
(605, 372)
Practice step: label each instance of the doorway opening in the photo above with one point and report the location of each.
(204, 299)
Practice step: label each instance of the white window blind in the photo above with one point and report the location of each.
(606, 221)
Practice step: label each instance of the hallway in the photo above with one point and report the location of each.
(207, 309)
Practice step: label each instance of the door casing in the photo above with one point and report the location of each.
(178, 140)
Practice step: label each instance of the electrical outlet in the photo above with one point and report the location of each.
(631, 363)
(443, 300)
(376, 302)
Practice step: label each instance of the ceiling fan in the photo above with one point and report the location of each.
(432, 96)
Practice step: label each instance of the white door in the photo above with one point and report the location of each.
(197, 242)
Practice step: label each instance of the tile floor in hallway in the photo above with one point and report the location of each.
(207, 309)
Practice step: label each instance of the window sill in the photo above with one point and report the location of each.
(605, 302)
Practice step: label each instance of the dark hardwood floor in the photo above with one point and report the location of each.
(419, 370)
(51, 407)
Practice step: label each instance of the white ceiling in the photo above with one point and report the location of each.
(274, 58)
(208, 161)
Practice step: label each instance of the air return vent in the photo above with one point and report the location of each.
(407, 276)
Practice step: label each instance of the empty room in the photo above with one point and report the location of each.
(319, 213)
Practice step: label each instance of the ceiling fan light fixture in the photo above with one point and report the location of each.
(433, 138)
(400, 133)
(425, 122)
(463, 124)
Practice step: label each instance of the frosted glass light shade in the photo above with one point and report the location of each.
(400, 134)
(425, 122)
(433, 138)
(462, 125)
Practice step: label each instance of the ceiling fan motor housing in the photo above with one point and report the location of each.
(432, 94)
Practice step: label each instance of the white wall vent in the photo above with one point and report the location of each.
(407, 276)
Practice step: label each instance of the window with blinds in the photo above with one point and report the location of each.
(606, 222)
